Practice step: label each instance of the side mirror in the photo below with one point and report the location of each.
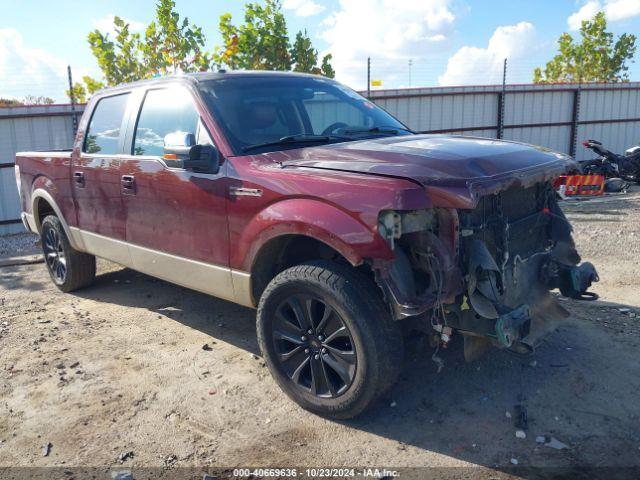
(177, 145)
(181, 147)
(203, 159)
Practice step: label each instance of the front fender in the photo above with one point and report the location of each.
(322, 221)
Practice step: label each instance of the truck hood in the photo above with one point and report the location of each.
(476, 165)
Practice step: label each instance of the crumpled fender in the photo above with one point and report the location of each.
(322, 221)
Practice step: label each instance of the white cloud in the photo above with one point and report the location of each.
(388, 31)
(621, 9)
(105, 25)
(303, 8)
(29, 71)
(615, 10)
(586, 12)
(471, 65)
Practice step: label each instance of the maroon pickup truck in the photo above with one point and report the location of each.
(294, 195)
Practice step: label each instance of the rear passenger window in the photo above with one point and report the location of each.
(164, 111)
(103, 133)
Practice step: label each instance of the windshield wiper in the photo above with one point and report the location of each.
(299, 138)
(381, 129)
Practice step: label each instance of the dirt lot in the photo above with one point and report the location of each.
(119, 367)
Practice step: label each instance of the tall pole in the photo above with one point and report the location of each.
(368, 77)
(73, 102)
(410, 64)
(501, 100)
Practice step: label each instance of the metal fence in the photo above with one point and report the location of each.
(42, 127)
(554, 116)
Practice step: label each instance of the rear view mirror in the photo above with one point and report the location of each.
(203, 159)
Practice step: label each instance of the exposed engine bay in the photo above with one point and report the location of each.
(485, 273)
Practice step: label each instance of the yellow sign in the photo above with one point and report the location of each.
(376, 83)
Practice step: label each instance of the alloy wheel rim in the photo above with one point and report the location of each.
(54, 255)
(313, 346)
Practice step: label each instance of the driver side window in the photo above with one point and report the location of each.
(164, 111)
(325, 110)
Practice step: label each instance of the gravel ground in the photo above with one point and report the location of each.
(119, 367)
(18, 245)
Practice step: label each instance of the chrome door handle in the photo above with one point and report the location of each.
(244, 192)
(78, 178)
(128, 183)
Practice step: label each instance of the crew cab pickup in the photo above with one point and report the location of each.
(292, 194)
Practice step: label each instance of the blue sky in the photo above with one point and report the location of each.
(449, 42)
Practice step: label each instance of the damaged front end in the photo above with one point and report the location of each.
(486, 272)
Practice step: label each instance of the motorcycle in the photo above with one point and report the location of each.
(611, 165)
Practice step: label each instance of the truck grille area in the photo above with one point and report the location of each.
(511, 223)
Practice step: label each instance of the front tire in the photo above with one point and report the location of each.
(328, 338)
(69, 269)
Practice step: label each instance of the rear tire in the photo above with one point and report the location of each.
(69, 269)
(328, 339)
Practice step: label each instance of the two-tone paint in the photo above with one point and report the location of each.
(206, 231)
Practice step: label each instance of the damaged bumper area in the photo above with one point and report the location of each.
(487, 272)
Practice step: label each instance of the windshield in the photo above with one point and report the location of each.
(263, 114)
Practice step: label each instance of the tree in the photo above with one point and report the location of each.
(27, 100)
(80, 91)
(597, 58)
(10, 102)
(262, 43)
(326, 69)
(171, 44)
(37, 100)
(303, 56)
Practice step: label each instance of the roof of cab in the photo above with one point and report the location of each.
(203, 76)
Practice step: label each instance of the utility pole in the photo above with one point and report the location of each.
(368, 77)
(410, 65)
(501, 100)
(73, 102)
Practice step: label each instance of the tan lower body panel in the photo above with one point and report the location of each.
(221, 282)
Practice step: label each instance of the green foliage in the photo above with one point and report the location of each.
(303, 56)
(326, 69)
(171, 44)
(91, 146)
(80, 90)
(92, 85)
(597, 58)
(262, 43)
(79, 93)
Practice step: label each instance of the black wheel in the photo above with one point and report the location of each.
(328, 339)
(68, 268)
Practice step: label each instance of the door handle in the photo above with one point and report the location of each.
(128, 183)
(78, 178)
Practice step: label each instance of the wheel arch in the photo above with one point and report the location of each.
(43, 204)
(294, 231)
(284, 251)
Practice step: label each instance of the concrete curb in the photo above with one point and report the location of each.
(24, 260)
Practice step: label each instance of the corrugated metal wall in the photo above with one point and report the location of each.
(43, 127)
(549, 115)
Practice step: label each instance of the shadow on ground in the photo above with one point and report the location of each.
(578, 386)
